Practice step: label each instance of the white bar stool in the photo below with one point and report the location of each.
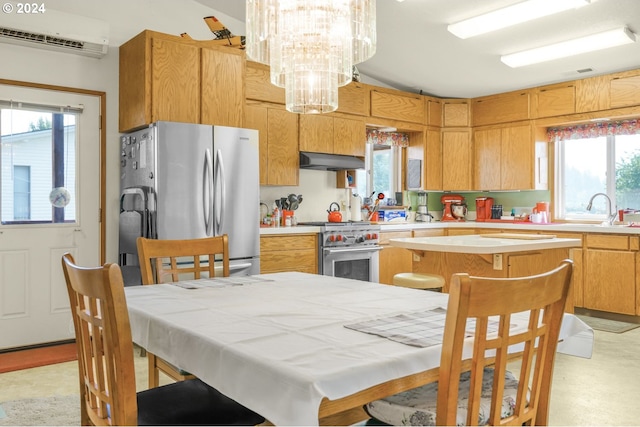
(432, 282)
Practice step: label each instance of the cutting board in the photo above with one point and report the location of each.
(519, 236)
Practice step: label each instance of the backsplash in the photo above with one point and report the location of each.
(318, 189)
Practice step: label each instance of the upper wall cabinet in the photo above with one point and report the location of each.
(397, 105)
(508, 157)
(457, 167)
(433, 112)
(258, 84)
(456, 113)
(592, 94)
(555, 100)
(160, 79)
(321, 133)
(624, 90)
(503, 108)
(354, 99)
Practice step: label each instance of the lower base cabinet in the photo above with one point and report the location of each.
(291, 252)
(393, 260)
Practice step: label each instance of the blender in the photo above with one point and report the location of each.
(422, 212)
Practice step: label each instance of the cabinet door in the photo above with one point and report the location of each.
(456, 160)
(517, 158)
(555, 101)
(394, 260)
(625, 91)
(406, 107)
(433, 160)
(258, 84)
(349, 136)
(434, 112)
(282, 136)
(592, 94)
(503, 108)
(609, 281)
(222, 88)
(455, 114)
(256, 117)
(487, 145)
(175, 81)
(354, 99)
(316, 133)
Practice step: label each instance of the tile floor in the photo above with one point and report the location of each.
(600, 391)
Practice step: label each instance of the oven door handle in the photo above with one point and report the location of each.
(352, 250)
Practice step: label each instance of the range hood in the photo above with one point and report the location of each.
(329, 162)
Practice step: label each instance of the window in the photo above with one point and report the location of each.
(597, 158)
(383, 164)
(37, 164)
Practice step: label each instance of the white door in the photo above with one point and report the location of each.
(38, 225)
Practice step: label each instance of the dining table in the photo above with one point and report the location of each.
(304, 349)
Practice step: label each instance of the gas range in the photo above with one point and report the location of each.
(347, 234)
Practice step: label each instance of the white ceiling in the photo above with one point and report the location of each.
(416, 52)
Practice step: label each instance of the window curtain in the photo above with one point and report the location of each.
(387, 138)
(594, 130)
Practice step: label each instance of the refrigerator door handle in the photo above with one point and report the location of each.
(220, 180)
(207, 193)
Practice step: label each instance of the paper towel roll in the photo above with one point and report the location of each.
(356, 208)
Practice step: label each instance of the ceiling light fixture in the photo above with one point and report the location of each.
(604, 40)
(512, 15)
(311, 46)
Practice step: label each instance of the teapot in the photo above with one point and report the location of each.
(334, 214)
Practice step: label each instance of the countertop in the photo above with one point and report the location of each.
(482, 244)
(407, 226)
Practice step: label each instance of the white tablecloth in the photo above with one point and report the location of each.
(280, 346)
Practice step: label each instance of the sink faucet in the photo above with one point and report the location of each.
(611, 214)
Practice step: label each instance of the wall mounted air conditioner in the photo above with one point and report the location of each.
(55, 30)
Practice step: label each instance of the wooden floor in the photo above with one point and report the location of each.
(41, 356)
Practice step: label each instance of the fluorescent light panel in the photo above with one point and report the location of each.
(607, 39)
(512, 15)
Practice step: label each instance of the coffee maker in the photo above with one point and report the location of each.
(453, 207)
(483, 208)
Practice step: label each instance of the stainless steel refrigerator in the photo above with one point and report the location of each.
(183, 181)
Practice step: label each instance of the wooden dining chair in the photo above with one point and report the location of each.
(474, 386)
(164, 261)
(106, 369)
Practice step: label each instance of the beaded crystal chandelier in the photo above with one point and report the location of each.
(311, 46)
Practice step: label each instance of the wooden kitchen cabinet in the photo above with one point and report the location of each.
(393, 260)
(165, 77)
(555, 100)
(625, 90)
(258, 84)
(278, 133)
(456, 160)
(332, 134)
(610, 273)
(434, 112)
(354, 99)
(508, 158)
(290, 252)
(397, 105)
(456, 113)
(433, 160)
(592, 94)
(503, 108)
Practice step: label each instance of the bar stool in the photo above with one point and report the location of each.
(432, 282)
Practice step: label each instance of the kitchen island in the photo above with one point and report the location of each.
(489, 255)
